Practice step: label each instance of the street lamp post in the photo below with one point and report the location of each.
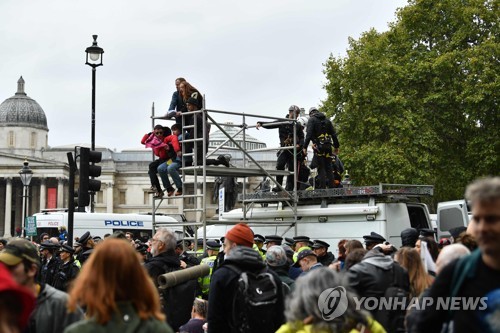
(94, 60)
(26, 174)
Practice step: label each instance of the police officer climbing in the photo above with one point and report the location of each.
(321, 133)
(285, 157)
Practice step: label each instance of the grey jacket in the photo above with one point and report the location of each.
(125, 321)
(51, 313)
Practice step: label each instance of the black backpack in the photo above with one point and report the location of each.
(324, 141)
(256, 304)
(393, 319)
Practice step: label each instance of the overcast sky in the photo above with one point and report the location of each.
(257, 57)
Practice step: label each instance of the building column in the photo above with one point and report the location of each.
(109, 198)
(8, 208)
(60, 192)
(43, 194)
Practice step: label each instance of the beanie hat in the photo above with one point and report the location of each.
(241, 234)
(276, 256)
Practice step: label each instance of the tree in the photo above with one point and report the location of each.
(420, 103)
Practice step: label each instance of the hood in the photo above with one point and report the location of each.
(319, 115)
(409, 237)
(378, 259)
(245, 257)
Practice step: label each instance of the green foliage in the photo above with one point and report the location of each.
(419, 103)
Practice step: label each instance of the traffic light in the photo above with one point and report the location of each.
(88, 171)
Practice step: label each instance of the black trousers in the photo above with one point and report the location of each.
(285, 159)
(325, 171)
(153, 166)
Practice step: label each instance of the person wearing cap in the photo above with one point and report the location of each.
(277, 260)
(307, 260)
(16, 303)
(286, 135)
(300, 241)
(186, 259)
(240, 257)
(428, 233)
(204, 282)
(67, 269)
(272, 240)
(320, 248)
(50, 315)
(88, 244)
(455, 232)
(373, 239)
(321, 133)
(50, 262)
(259, 242)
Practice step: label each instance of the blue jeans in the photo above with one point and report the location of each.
(173, 170)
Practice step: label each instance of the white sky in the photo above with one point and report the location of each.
(257, 57)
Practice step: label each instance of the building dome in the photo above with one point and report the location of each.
(21, 110)
(217, 138)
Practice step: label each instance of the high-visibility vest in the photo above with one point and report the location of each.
(204, 282)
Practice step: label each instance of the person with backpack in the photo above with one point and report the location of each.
(321, 133)
(176, 301)
(245, 296)
(378, 276)
(285, 157)
(473, 279)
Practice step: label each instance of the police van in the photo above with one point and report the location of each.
(99, 224)
(333, 214)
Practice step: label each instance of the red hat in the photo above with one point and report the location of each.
(241, 234)
(17, 293)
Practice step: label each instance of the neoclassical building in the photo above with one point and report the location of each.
(24, 137)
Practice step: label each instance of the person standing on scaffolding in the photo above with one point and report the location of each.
(321, 133)
(285, 156)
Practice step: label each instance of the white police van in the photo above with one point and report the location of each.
(334, 214)
(100, 224)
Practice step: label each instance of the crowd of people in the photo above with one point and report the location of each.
(258, 283)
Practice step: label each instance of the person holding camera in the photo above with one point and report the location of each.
(285, 157)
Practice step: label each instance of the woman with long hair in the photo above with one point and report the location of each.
(117, 292)
(409, 258)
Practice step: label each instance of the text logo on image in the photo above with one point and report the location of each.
(332, 303)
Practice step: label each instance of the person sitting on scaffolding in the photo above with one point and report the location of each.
(285, 156)
(172, 165)
(192, 105)
(154, 140)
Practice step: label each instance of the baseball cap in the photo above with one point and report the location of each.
(17, 250)
(302, 254)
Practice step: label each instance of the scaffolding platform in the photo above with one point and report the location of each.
(387, 190)
(221, 171)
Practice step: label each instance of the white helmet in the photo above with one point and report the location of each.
(303, 120)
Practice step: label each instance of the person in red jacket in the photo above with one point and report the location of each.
(172, 165)
(154, 140)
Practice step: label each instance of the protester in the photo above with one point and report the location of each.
(354, 257)
(186, 259)
(171, 167)
(16, 303)
(154, 140)
(198, 317)
(177, 105)
(177, 301)
(224, 312)
(277, 260)
(307, 260)
(50, 315)
(409, 237)
(409, 259)
(373, 276)
(473, 276)
(304, 313)
(116, 292)
(450, 253)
